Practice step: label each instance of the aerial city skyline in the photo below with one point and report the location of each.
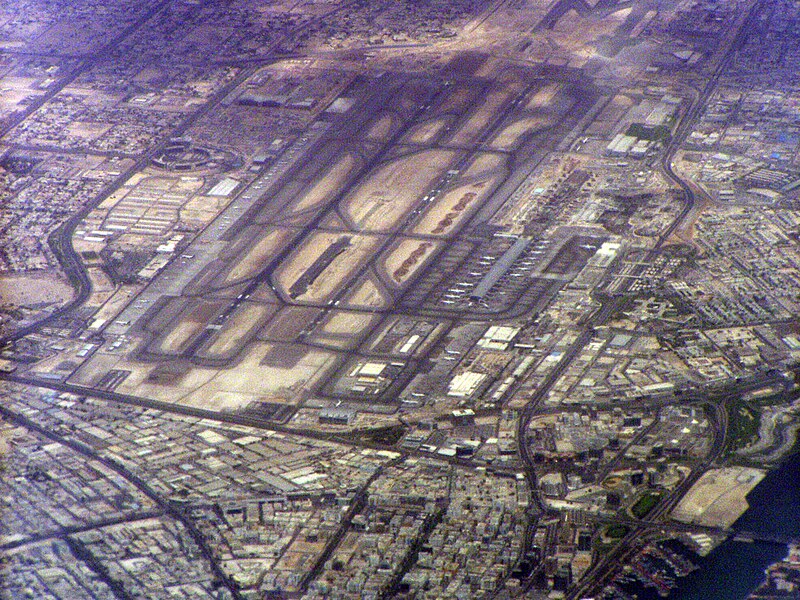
(440, 299)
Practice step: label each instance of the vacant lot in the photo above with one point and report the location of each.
(389, 192)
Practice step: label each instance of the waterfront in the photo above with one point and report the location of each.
(734, 569)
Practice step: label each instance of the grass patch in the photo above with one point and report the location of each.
(385, 436)
(644, 505)
(616, 532)
(743, 423)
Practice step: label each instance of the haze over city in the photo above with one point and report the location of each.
(414, 299)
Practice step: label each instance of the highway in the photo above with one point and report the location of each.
(60, 240)
(602, 570)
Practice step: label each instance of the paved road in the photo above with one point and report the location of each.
(167, 507)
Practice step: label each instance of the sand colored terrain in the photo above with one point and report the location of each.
(591, 29)
(16, 89)
(510, 136)
(483, 164)
(543, 97)
(115, 304)
(389, 192)
(335, 274)
(237, 329)
(457, 101)
(486, 112)
(328, 184)
(257, 257)
(233, 388)
(102, 287)
(367, 295)
(201, 209)
(179, 336)
(192, 320)
(87, 131)
(719, 497)
(28, 290)
(344, 329)
(407, 258)
(426, 132)
(346, 322)
(449, 210)
(381, 128)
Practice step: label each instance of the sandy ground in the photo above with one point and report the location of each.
(381, 129)
(179, 335)
(407, 258)
(719, 497)
(256, 258)
(199, 210)
(102, 287)
(484, 114)
(449, 210)
(426, 132)
(389, 192)
(328, 184)
(367, 295)
(231, 388)
(510, 135)
(484, 163)
(345, 322)
(337, 272)
(115, 303)
(29, 290)
(87, 131)
(15, 90)
(237, 328)
(543, 96)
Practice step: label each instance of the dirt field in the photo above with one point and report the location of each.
(485, 114)
(287, 324)
(17, 89)
(367, 295)
(192, 320)
(345, 322)
(238, 328)
(335, 274)
(201, 209)
(344, 329)
(484, 163)
(381, 129)
(252, 376)
(457, 101)
(87, 131)
(719, 497)
(179, 336)
(28, 290)
(231, 388)
(449, 210)
(426, 132)
(327, 185)
(542, 97)
(102, 287)
(508, 138)
(256, 258)
(381, 201)
(402, 262)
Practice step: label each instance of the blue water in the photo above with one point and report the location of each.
(735, 569)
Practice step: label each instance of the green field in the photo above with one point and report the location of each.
(645, 504)
(743, 423)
